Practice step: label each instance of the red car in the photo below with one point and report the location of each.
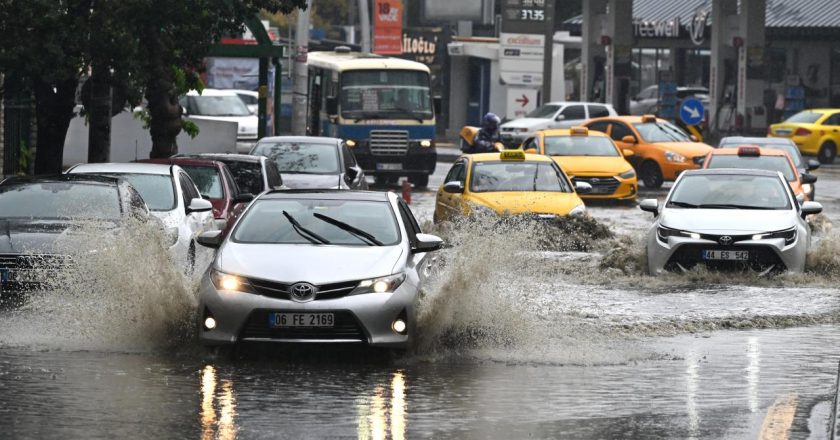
(215, 183)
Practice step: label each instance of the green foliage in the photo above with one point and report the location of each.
(189, 127)
(25, 158)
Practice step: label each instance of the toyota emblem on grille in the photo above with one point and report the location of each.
(725, 240)
(303, 291)
(594, 180)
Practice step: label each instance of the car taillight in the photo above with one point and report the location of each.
(802, 132)
(769, 131)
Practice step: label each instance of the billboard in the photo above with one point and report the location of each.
(387, 27)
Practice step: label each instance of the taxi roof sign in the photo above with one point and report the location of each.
(649, 118)
(749, 151)
(579, 131)
(512, 155)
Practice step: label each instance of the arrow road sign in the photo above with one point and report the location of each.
(523, 100)
(691, 111)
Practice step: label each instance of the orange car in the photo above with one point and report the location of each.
(661, 149)
(753, 157)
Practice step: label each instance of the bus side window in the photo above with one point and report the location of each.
(315, 87)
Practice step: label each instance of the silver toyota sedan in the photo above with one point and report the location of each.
(729, 219)
(316, 266)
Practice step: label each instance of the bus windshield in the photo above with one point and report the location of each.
(374, 94)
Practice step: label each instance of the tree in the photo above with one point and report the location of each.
(172, 37)
(43, 43)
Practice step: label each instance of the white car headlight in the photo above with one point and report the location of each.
(578, 211)
(379, 285)
(788, 234)
(629, 174)
(674, 157)
(225, 281)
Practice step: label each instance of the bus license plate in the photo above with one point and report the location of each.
(726, 255)
(284, 320)
(389, 166)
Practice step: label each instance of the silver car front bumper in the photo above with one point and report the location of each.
(365, 318)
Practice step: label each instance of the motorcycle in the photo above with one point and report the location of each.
(467, 136)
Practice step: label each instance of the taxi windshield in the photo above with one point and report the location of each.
(729, 191)
(517, 176)
(579, 146)
(772, 163)
(661, 132)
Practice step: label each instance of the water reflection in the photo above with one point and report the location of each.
(215, 424)
(692, 377)
(384, 411)
(753, 371)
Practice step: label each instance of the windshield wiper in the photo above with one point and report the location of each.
(349, 228)
(731, 206)
(682, 204)
(312, 237)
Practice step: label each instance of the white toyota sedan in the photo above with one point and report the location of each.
(729, 219)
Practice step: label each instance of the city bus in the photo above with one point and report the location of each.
(382, 107)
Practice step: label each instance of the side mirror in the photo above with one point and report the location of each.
(211, 239)
(583, 188)
(453, 187)
(808, 178)
(427, 243)
(810, 208)
(437, 102)
(629, 139)
(560, 117)
(351, 173)
(627, 153)
(199, 205)
(650, 205)
(332, 105)
(243, 198)
(813, 164)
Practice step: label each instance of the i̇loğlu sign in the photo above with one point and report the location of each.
(695, 29)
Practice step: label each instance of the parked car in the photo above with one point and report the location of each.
(552, 115)
(647, 101)
(171, 196)
(269, 283)
(784, 144)
(313, 162)
(252, 174)
(215, 183)
(661, 150)
(35, 212)
(223, 105)
(729, 220)
(815, 132)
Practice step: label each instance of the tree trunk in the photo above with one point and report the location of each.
(99, 120)
(54, 109)
(164, 109)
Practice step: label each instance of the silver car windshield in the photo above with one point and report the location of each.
(729, 191)
(59, 201)
(313, 221)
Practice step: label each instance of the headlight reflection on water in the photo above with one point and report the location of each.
(383, 414)
(220, 426)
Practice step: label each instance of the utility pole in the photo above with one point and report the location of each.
(548, 50)
(299, 96)
(364, 22)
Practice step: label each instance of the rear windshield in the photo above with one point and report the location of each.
(59, 200)
(295, 221)
(207, 180)
(579, 146)
(770, 163)
(247, 175)
(805, 117)
(301, 157)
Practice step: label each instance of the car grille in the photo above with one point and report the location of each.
(600, 185)
(346, 327)
(388, 142)
(281, 290)
(689, 255)
(24, 272)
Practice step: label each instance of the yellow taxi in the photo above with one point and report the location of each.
(591, 157)
(510, 182)
(753, 157)
(661, 149)
(815, 132)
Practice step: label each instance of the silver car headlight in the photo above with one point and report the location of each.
(226, 281)
(662, 233)
(674, 157)
(629, 174)
(379, 285)
(578, 211)
(788, 234)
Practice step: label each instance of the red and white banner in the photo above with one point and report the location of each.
(387, 27)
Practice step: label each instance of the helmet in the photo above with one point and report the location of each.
(490, 121)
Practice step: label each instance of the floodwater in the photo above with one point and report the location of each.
(519, 338)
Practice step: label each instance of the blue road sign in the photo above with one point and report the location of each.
(691, 111)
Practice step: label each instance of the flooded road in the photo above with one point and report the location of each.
(517, 341)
